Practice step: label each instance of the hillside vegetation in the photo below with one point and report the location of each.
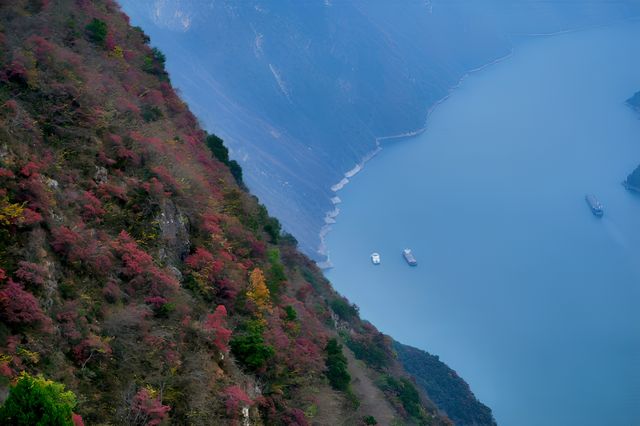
(448, 390)
(136, 270)
(300, 90)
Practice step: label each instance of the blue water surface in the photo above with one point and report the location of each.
(519, 288)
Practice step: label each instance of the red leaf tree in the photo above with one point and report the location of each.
(19, 307)
(147, 408)
(214, 326)
(235, 397)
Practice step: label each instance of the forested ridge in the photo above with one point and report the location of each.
(140, 283)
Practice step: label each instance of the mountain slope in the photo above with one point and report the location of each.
(302, 90)
(448, 390)
(134, 267)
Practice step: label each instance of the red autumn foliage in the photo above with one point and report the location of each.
(16, 71)
(276, 336)
(211, 223)
(295, 417)
(80, 246)
(235, 397)
(135, 260)
(258, 248)
(130, 55)
(111, 291)
(110, 41)
(204, 264)
(306, 355)
(154, 97)
(91, 206)
(227, 288)
(200, 259)
(42, 48)
(166, 177)
(72, 324)
(65, 240)
(214, 325)
(19, 307)
(108, 190)
(116, 139)
(5, 370)
(73, 103)
(104, 159)
(30, 169)
(91, 348)
(225, 255)
(6, 173)
(31, 274)
(30, 217)
(148, 409)
(162, 283)
(304, 291)
(156, 301)
(155, 188)
(138, 266)
(36, 193)
(77, 419)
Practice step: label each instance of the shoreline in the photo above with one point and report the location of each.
(331, 216)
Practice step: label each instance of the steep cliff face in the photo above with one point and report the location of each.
(302, 90)
(136, 270)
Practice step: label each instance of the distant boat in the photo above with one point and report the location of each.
(375, 258)
(596, 206)
(408, 256)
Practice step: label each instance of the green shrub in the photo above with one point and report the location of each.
(371, 350)
(154, 63)
(406, 392)
(158, 56)
(37, 401)
(97, 31)
(274, 229)
(249, 348)
(216, 145)
(221, 152)
(165, 310)
(336, 364)
(276, 275)
(151, 113)
(292, 315)
(369, 420)
(140, 31)
(344, 310)
(236, 171)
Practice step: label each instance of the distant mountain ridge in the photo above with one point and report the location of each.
(632, 182)
(448, 390)
(300, 91)
(634, 101)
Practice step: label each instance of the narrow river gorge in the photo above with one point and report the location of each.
(519, 288)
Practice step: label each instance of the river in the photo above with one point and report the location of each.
(519, 288)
